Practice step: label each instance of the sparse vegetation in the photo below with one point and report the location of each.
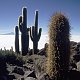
(11, 57)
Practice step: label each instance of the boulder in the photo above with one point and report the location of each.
(73, 75)
(18, 70)
(32, 74)
(78, 66)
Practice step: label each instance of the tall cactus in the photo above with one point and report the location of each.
(59, 47)
(35, 36)
(16, 39)
(24, 32)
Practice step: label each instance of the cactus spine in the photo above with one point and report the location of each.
(16, 39)
(24, 32)
(59, 47)
(35, 36)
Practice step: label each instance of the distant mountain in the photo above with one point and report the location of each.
(11, 33)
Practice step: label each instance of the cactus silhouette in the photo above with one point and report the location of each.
(35, 36)
(59, 47)
(16, 39)
(24, 32)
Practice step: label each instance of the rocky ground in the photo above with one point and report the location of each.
(32, 67)
(29, 71)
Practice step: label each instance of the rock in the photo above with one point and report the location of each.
(11, 77)
(3, 66)
(17, 76)
(30, 52)
(73, 75)
(32, 74)
(29, 78)
(73, 44)
(42, 52)
(78, 66)
(19, 63)
(73, 66)
(18, 71)
(76, 57)
(30, 61)
(22, 79)
(3, 77)
(44, 76)
(29, 75)
(26, 68)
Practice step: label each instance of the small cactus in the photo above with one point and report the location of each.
(59, 47)
(16, 39)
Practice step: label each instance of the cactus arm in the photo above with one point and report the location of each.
(16, 39)
(36, 21)
(24, 19)
(33, 31)
(31, 34)
(27, 30)
(39, 34)
(20, 23)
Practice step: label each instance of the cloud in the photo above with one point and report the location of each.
(8, 41)
(75, 38)
(11, 33)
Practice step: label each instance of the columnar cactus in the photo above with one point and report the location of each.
(16, 39)
(59, 47)
(35, 36)
(24, 32)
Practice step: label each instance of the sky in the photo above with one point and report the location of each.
(10, 10)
